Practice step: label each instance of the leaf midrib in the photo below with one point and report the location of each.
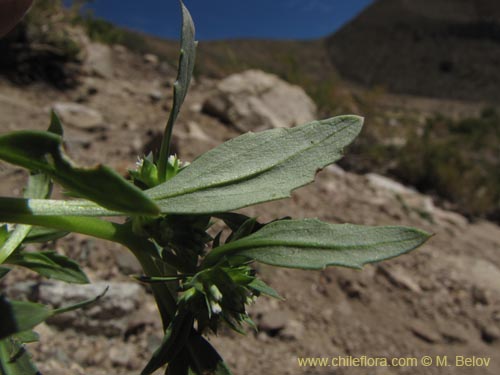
(342, 126)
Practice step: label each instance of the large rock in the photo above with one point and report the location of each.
(110, 315)
(254, 100)
(99, 60)
(78, 115)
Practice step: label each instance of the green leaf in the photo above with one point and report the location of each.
(154, 280)
(42, 151)
(42, 235)
(249, 169)
(198, 359)
(173, 342)
(27, 337)
(19, 316)
(255, 168)
(263, 288)
(184, 72)
(51, 265)
(55, 124)
(312, 244)
(15, 359)
(4, 234)
(15, 239)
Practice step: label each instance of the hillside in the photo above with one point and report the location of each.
(439, 48)
(442, 299)
(420, 134)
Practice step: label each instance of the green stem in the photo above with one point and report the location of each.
(52, 207)
(165, 143)
(143, 249)
(91, 226)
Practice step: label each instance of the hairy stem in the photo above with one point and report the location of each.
(143, 249)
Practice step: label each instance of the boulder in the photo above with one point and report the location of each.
(109, 315)
(255, 100)
(99, 60)
(151, 59)
(78, 115)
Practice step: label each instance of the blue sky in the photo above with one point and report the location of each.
(225, 19)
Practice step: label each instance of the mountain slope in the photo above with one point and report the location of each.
(439, 48)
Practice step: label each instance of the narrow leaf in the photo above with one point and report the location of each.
(200, 358)
(249, 169)
(15, 359)
(4, 234)
(154, 280)
(312, 244)
(27, 337)
(173, 342)
(51, 265)
(263, 288)
(80, 305)
(42, 235)
(184, 72)
(19, 316)
(255, 168)
(15, 239)
(55, 124)
(42, 151)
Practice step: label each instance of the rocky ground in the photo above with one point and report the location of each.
(440, 300)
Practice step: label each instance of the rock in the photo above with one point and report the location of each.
(99, 60)
(293, 330)
(155, 95)
(79, 115)
(480, 296)
(196, 107)
(127, 262)
(410, 200)
(477, 273)
(195, 131)
(22, 290)
(385, 183)
(399, 277)
(254, 100)
(108, 316)
(119, 48)
(490, 334)
(124, 356)
(444, 217)
(273, 322)
(424, 332)
(151, 59)
(453, 332)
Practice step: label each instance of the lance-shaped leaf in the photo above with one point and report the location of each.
(175, 338)
(50, 264)
(42, 235)
(42, 151)
(312, 244)
(256, 167)
(20, 316)
(200, 358)
(15, 359)
(250, 169)
(184, 72)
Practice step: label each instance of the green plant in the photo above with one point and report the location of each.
(168, 208)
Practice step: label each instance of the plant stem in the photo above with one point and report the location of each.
(143, 249)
